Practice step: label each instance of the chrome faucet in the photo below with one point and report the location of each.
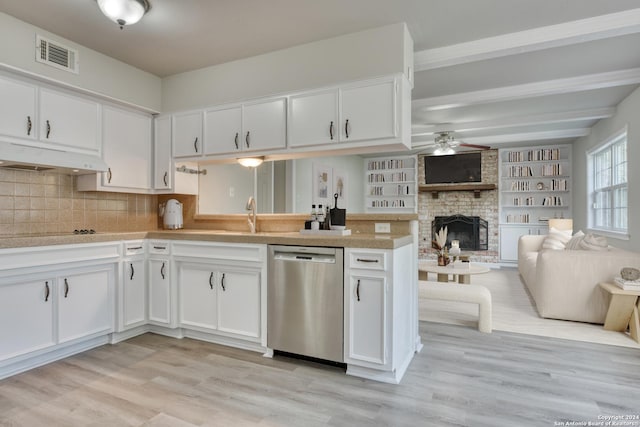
(251, 207)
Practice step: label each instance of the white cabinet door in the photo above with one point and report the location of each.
(368, 112)
(26, 317)
(313, 119)
(69, 120)
(17, 109)
(134, 294)
(127, 148)
(264, 125)
(367, 318)
(239, 302)
(509, 236)
(159, 292)
(84, 306)
(198, 295)
(162, 173)
(187, 134)
(223, 130)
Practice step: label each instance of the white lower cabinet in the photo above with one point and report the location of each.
(26, 317)
(159, 291)
(378, 301)
(222, 289)
(239, 302)
(198, 295)
(84, 304)
(367, 322)
(509, 236)
(134, 294)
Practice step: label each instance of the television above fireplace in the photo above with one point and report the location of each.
(451, 169)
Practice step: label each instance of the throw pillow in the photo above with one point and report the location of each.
(556, 239)
(594, 243)
(574, 243)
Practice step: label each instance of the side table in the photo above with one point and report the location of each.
(623, 310)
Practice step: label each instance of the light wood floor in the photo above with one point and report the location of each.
(461, 378)
(514, 311)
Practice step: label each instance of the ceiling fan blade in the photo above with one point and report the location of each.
(479, 147)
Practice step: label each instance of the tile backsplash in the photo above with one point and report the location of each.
(43, 202)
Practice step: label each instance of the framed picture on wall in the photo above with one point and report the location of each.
(322, 184)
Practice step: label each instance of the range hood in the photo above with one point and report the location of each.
(43, 159)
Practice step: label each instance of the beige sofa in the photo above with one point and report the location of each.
(564, 283)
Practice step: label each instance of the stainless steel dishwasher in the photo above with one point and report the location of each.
(305, 301)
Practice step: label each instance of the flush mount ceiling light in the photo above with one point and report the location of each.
(251, 162)
(124, 12)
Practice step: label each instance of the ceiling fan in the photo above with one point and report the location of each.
(445, 143)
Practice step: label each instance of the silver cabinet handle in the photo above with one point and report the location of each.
(358, 290)
(66, 287)
(222, 282)
(164, 178)
(47, 291)
(366, 260)
(48, 129)
(29, 125)
(247, 140)
(235, 140)
(162, 270)
(331, 130)
(132, 272)
(211, 281)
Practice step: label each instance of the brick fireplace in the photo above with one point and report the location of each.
(465, 203)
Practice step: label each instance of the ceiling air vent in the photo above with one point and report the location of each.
(56, 54)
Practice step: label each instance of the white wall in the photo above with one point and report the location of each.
(98, 73)
(371, 53)
(353, 166)
(627, 114)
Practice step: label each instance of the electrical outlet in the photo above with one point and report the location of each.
(383, 227)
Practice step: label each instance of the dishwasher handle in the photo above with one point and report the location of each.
(299, 257)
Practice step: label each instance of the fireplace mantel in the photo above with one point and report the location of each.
(434, 189)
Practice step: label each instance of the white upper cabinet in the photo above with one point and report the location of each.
(258, 126)
(223, 130)
(368, 112)
(162, 176)
(17, 109)
(313, 118)
(264, 125)
(127, 149)
(187, 134)
(70, 121)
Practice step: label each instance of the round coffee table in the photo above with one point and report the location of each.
(464, 273)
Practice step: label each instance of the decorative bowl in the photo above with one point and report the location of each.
(630, 273)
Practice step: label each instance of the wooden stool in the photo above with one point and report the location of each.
(623, 310)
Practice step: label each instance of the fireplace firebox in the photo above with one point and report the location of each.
(471, 231)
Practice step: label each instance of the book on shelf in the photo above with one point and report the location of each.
(627, 285)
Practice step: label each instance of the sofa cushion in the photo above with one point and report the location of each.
(594, 243)
(556, 239)
(574, 242)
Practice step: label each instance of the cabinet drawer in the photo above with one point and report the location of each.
(228, 251)
(135, 247)
(159, 247)
(368, 260)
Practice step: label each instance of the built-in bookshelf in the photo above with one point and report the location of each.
(535, 185)
(391, 184)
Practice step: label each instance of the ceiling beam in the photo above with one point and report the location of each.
(515, 121)
(530, 90)
(426, 141)
(583, 30)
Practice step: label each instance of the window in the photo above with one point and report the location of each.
(608, 185)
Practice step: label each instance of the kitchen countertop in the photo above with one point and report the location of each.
(356, 240)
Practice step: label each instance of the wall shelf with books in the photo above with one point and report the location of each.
(391, 184)
(535, 185)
